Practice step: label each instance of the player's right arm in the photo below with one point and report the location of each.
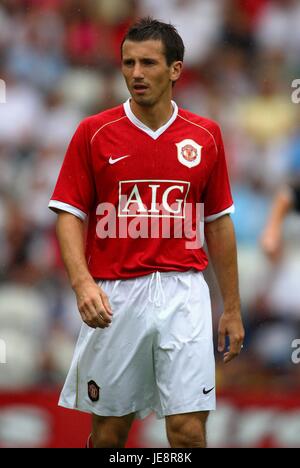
(91, 300)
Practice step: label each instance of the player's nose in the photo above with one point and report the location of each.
(137, 72)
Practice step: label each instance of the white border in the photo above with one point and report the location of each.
(3, 352)
(153, 134)
(57, 205)
(209, 219)
(2, 92)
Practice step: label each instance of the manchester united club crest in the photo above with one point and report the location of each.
(189, 153)
(93, 391)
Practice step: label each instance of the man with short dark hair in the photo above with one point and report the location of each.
(141, 173)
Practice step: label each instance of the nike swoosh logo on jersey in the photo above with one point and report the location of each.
(207, 391)
(114, 161)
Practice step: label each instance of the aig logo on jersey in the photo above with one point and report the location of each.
(189, 153)
(153, 198)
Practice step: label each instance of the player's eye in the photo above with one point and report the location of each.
(149, 62)
(128, 63)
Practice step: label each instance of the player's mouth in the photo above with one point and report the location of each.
(140, 88)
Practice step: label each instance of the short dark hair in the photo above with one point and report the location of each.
(148, 28)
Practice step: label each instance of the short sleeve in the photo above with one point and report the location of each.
(217, 196)
(75, 189)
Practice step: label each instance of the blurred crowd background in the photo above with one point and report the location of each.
(60, 62)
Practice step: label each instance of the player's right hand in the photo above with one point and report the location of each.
(93, 305)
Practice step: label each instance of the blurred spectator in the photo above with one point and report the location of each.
(20, 113)
(198, 23)
(36, 50)
(277, 28)
(237, 29)
(286, 200)
(23, 324)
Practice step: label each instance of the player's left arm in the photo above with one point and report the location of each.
(221, 243)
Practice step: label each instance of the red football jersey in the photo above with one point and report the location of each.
(142, 190)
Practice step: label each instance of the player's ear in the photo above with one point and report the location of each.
(176, 69)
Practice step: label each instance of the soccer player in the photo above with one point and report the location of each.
(146, 342)
(286, 200)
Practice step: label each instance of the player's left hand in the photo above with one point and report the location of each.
(230, 325)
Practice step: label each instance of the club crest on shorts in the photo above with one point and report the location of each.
(189, 153)
(93, 391)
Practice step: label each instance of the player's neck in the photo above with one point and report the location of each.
(153, 116)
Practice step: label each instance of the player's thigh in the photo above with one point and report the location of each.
(111, 431)
(187, 429)
(184, 351)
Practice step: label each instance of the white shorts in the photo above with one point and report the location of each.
(157, 355)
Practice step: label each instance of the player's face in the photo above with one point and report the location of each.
(146, 72)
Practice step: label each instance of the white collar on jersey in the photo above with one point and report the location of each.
(153, 134)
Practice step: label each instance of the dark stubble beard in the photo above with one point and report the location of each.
(150, 102)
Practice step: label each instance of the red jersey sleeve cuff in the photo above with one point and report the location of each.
(55, 205)
(209, 219)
